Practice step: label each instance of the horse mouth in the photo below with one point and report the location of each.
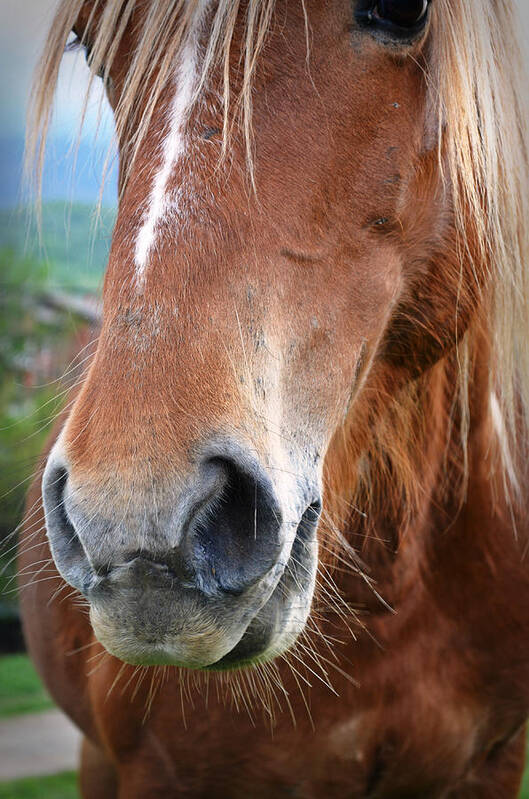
(151, 618)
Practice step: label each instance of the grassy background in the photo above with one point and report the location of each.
(524, 793)
(60, 786)
(21, 690)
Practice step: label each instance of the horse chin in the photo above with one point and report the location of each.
(161, 628)
(158, 644)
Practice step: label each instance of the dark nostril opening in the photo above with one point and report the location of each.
(67, 550)
(313, 512)
(306, 531)
(309, 520)
(58, 491)
(247, 500)
(236, 534)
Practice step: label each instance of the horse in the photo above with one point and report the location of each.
(277, 545)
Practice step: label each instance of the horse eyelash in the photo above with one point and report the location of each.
(73, 45)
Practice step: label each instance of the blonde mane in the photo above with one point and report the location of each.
(476, 85)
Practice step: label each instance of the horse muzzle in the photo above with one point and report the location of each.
(213, 576)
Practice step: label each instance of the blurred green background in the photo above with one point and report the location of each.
(48, 309)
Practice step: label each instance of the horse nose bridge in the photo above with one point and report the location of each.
(219, 530)
(153, 402)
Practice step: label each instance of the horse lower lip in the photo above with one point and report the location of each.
(150, 630)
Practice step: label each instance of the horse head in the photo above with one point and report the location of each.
(282, 263)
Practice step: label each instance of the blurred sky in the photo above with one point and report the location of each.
(23, 27)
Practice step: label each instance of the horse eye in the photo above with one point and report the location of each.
(78, 43)
(402, 13)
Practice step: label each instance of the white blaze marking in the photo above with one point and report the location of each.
(174, 144)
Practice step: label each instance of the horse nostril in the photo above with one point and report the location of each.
(66, 547)
(55, 488)
(227, 538)
(309, 521)
(247, 500)
(235, 535)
